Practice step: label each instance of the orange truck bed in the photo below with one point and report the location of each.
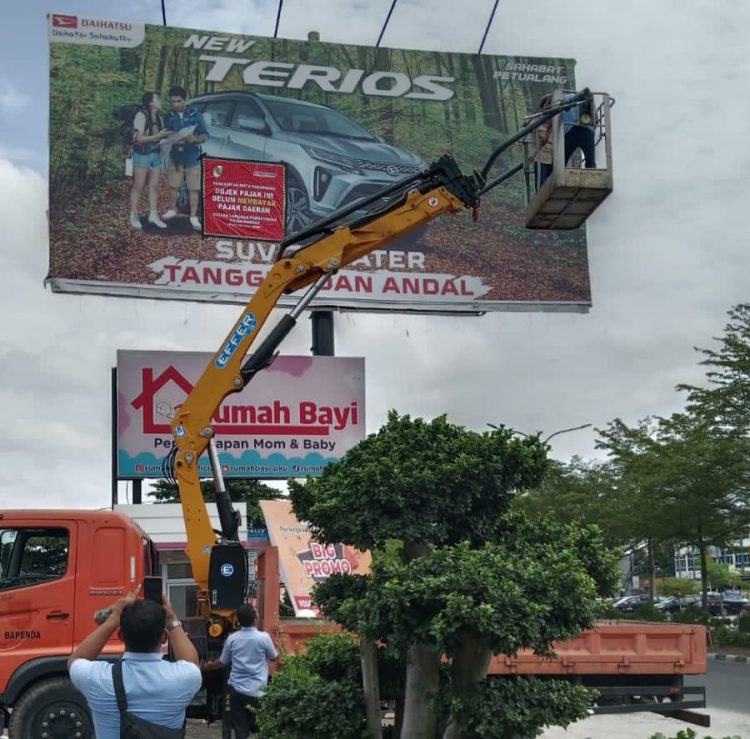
(613, 648)
(617, 648)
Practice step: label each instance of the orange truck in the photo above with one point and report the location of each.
(634, 665)
(58, 568)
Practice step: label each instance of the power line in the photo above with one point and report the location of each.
(487, 30)
(385, 25)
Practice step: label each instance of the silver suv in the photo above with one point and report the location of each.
(331, 160)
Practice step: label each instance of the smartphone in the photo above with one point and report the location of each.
(152, 588)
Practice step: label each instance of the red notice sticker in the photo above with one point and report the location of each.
(244, 200)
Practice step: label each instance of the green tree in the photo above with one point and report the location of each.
(677, 586)
(471, 578)
(689, 478)
(240, 491)
(720, 576)
(726, 399)
(584, 492)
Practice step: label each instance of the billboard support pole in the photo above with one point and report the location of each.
(322, 334)
(113, 413)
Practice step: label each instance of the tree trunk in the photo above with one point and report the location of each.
(398, 721)
(469, 667)
(651, 572)
(369, 655)
(704, 574)
(422, 675)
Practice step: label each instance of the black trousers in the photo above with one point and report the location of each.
(580, 137)
(242, 709)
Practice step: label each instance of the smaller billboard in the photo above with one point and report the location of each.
(243, 200)
(293, 419)
(302, 560)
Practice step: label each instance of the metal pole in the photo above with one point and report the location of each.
(322, 334)
(113, 413)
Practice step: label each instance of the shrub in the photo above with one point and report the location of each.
(523, 706)
(743, 623)
(316, 695)
(691, 615)
(726, 637)
(334, 657)
(647, 612)
(686, 734)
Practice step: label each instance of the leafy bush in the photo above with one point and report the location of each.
(686, 734)
(334, 657)
(316, 695)
(646, 612)
(726, 637)
(522, 706)
(608, 611)
(717, 622)
(743, 623)
(691, 615)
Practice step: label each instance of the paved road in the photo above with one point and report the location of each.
(199, 730)
(727, 685)
(728, 704)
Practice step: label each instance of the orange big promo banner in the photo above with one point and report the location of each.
(243, 200)
(302, 560)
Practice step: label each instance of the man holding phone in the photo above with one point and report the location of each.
(157, 690)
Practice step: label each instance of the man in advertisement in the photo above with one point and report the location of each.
(184, 165)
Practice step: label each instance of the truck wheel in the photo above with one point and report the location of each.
(53, 708)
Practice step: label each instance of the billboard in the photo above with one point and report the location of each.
(303, 561)
(346, 121)
(295, 417)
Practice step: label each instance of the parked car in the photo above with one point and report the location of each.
(687, 601)
(331, 160)
(732, 607)
(631, 602)
(669, 604)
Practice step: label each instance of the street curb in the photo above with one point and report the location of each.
(729, 657)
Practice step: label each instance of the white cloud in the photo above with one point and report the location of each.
(12, 100)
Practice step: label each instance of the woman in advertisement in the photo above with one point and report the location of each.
(148, 132)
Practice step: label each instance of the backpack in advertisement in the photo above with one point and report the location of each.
(124, 116)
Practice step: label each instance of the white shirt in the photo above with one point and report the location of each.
(157, 690)
(248, 651)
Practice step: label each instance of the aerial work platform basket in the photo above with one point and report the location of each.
(574, 188)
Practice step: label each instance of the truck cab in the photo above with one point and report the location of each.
(57, 569)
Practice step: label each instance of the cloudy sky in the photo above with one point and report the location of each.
(668, 251)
